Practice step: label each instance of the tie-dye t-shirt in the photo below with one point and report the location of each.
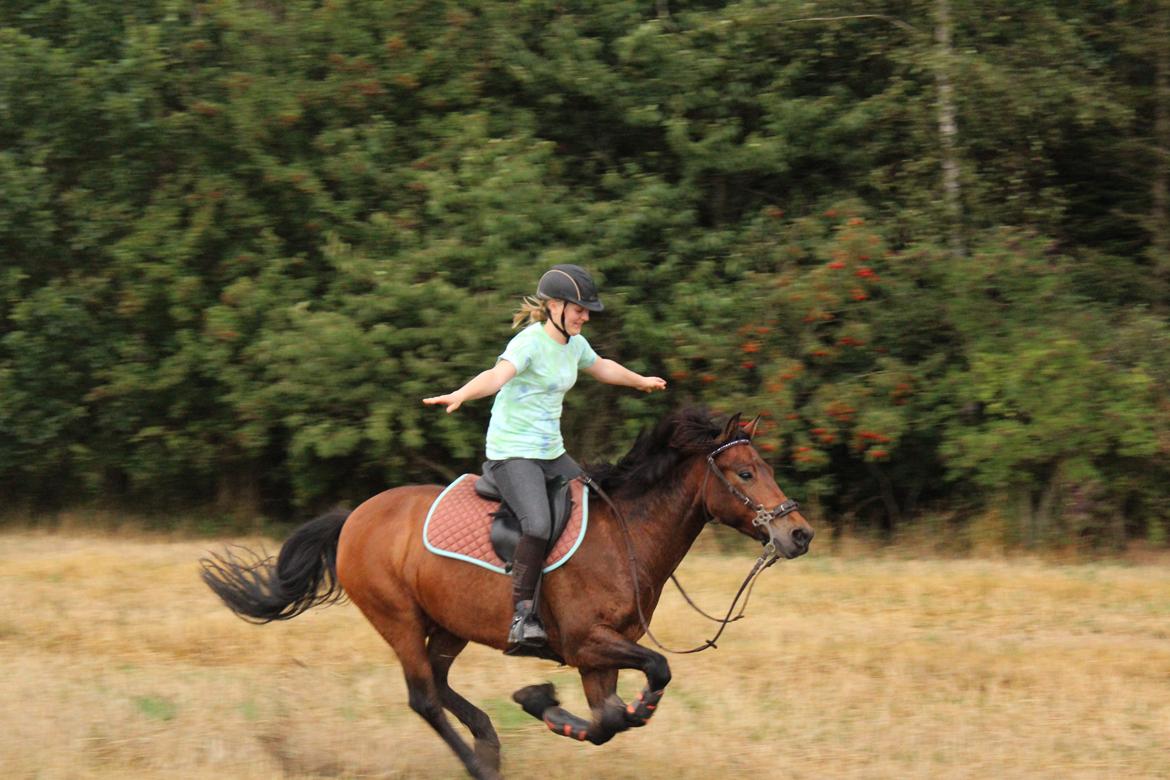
(526, 415)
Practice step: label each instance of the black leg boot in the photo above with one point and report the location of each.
(526, 628)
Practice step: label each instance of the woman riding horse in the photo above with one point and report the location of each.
(684, 473)
(524, 443)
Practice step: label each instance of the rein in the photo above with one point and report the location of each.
(769, 557)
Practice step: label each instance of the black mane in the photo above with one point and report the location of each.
(657, 452)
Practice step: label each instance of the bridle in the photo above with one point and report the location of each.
(764, 516)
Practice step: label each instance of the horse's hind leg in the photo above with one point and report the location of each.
(424, 699)
(407, 637)
(442, 648)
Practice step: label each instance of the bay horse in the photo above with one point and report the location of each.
(682, 473)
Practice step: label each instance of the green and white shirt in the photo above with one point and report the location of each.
(526, 415)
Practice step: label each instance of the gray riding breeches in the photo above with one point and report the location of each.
(521, 482)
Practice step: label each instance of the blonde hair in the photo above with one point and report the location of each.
(531, 310)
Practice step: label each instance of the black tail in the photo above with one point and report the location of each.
(304, 574)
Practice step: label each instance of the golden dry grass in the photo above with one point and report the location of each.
(118, 663)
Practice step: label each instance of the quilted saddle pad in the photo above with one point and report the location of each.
(459, 526)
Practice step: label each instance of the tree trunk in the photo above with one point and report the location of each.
(893, 511)
(1160, 187)
(947, 128)
(1025, 516)
(1047, 508)
(238, 491)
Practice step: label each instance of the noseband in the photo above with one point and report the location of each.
(764, 516)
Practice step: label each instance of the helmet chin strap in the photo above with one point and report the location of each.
(561, 327)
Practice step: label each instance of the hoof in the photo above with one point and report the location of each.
(488, 754)
(535, 699)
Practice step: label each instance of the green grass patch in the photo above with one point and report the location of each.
(156, 707)
(250, 710)
(507, 714)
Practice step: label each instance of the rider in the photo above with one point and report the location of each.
(524, 444)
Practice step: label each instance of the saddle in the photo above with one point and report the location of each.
(465, 525)
(505, 533)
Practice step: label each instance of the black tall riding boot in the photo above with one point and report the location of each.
(526, 628)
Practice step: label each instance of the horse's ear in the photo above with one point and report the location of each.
(731, 428)
(751, 428)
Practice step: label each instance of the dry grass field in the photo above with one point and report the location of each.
(116, 662)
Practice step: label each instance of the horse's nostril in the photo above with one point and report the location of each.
(802, 536)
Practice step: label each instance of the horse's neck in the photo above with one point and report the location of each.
(667, 524)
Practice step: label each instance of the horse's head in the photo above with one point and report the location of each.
(740, 491)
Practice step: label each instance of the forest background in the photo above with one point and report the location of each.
(929, 241)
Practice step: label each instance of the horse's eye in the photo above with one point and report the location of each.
(745, 475)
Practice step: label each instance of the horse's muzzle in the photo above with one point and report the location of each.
(801, 537)
(791, 541)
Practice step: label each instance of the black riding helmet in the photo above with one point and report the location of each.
(571, 283)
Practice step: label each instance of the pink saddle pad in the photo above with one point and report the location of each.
(459, 526)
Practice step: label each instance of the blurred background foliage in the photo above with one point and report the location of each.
(927, 240)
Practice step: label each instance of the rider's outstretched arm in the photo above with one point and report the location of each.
(614, 373)
(484, 384)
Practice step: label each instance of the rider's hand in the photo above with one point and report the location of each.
(450, 400)
(651, 383)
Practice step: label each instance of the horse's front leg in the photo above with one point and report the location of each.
(599, 660)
